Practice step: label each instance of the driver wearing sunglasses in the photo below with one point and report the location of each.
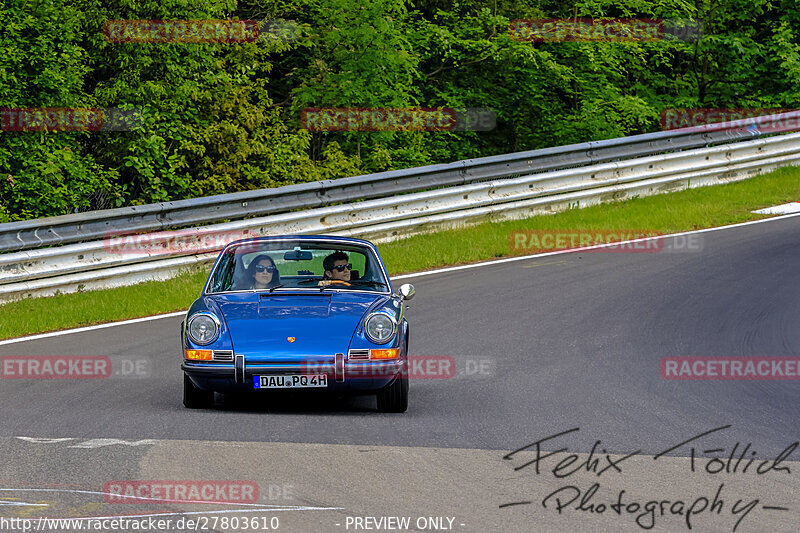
(337, 269)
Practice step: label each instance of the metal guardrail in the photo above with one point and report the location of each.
(568, 177)
(65, 229)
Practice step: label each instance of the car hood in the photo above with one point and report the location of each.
(321, 324)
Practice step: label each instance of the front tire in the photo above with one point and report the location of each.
(393, 398)
(194, 398)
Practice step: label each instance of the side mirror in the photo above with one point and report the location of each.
(406, 291)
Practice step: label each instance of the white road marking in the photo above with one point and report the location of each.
(782, 209)
(91, 328)
(43, 440)
(573, 250)
(407, 276)
(89, 444)
(99, 443)
(22, 504)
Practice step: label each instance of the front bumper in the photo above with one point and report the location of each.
(343, 375)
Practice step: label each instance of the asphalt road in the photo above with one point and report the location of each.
(540, 345)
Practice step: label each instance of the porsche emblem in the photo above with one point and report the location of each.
(290, 339)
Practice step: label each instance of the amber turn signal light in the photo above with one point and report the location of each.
(201, 355)
(387, 353)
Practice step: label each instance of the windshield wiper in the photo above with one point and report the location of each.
(270, 289)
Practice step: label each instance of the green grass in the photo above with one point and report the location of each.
(704, 207)
(35, 315)
(669, 213)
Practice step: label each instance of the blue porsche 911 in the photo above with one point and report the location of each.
(297, 313)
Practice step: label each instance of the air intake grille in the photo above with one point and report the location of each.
(359, 354)
(223, 355)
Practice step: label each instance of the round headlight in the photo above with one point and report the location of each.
(203, 328)
(380, 328)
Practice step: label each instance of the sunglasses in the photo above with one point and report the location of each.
(340, 268)
(265, 268)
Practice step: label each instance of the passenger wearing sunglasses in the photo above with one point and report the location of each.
(263, 273)
(337, 269)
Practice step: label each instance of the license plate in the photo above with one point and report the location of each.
(290, 381)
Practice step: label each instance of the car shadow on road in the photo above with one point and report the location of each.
(294, 404)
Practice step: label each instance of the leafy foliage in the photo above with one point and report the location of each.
(223, 117)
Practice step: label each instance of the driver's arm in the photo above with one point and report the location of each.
(327, 282)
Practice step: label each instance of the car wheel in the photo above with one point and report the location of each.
(393, 398)
(194, 398)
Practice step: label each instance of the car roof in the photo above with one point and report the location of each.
(323, 238)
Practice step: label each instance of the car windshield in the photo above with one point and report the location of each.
(280, 265)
